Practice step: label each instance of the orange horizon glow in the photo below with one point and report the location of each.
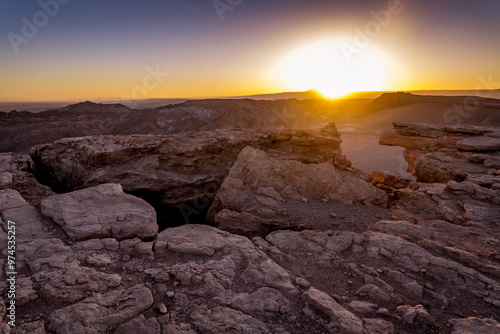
(260, 48)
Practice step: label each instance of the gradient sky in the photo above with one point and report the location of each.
(102, 49)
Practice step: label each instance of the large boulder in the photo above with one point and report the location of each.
(101, 212)
(253, 195)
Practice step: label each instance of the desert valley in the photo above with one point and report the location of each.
(249, 167)
(248, 216)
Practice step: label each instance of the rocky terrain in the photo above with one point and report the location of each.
(293, 239)
(21, 130)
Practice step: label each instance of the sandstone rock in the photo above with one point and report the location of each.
(392, 138)
(476, 191)
(256, 268)
(342, 320)
(388, 179)
(10, 199)
(445, 166)
(29, 188)
(36, 327)
(176, 168)
(97, 314)
(101, 212)
(5, 328)
(479, 144)
(139, 325)
(6, 181)
(363, 307)
(216, 282)
(224, 320)
(268, 273)
(242, 223)
(15, 162)
(162, 309)
(265, 301)
(475, 325)
(29, 223)
(374, 292)
(192, 239)
(413, 314)
(383, 312)
(414, 258)
(436, 153)
(59, 274)
(238, 207)
(24, 291)
(378, 326)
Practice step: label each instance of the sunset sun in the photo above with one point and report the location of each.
(322, 66)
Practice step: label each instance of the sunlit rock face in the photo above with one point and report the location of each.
(438, 153)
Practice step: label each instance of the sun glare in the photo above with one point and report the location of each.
(324, 67)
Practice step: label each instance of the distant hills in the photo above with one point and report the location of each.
(310, 94)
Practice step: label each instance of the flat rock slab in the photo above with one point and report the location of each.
(11, 199)
(104, 211)
(342, 320)
(480, 144)
(97, 314)
(475, 325)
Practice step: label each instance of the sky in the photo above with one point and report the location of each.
(103, 50)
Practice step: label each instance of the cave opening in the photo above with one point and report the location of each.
(167, 216)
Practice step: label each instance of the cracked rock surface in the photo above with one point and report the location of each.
(339, 261)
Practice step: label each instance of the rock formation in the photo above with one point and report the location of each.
(177, 167)
(442, 153)
(103, 211)
(21, 130)
(252, 198)
(92, 260)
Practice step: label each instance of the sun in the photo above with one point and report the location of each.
(323, 66)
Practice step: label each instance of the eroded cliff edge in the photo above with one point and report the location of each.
(329, 256)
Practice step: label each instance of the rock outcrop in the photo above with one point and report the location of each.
(253, 197)
(463, 158)
(22, 130)
(177, 168)
(92, 261)
(438, 153)
(103, 211)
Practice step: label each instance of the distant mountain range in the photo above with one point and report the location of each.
(310, 94)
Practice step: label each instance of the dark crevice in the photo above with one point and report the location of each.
(168, 216)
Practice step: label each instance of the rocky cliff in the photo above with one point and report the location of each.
(328, 255)
(443, 153)
(177, 167)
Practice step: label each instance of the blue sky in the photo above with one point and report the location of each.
(87, 43)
